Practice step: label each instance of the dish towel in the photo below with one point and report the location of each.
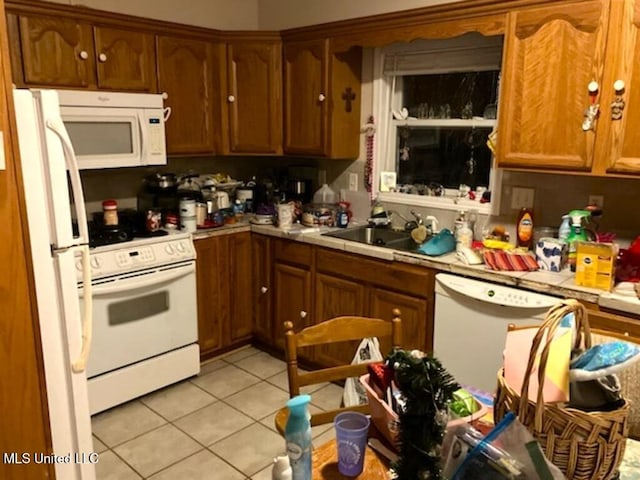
(510, 261)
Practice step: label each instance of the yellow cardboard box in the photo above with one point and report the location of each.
(595, 263)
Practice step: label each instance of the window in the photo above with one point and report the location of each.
(437, 105)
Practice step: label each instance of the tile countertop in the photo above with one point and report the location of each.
(560, 284)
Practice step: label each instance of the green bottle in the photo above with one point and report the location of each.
(576, 234)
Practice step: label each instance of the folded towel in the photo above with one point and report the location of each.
(510, 261)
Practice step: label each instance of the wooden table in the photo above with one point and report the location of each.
(325, 464)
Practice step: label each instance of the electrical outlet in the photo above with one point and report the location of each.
(522, 197)
(353, 182)
(597, 200)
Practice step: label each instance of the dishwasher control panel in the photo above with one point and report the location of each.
(496, 294)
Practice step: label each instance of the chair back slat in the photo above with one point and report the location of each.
(335, 330)
(343, 329)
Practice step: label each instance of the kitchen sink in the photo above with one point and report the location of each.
(380, 237)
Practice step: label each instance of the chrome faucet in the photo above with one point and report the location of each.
(417, 216)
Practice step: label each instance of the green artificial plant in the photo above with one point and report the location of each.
(426, 389)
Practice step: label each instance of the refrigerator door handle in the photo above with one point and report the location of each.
(80, 364)
(57, 126)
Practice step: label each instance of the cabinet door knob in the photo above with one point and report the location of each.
(303, 314)
(165, 95)
(102, 57)
(231, 98)
(83, 55)
(264, 289)
(619, 85)
(617, 106)
(321, 97)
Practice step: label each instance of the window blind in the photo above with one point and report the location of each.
(471, 52)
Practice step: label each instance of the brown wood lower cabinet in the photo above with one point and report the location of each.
(345, 285)
(223, 272)
(306, 285)
(334, 297)
(416, 323)
(261, 289)
(292, 299)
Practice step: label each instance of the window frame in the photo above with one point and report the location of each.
(387, 97)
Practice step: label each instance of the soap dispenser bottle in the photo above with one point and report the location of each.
(577, 234)
(297, 434)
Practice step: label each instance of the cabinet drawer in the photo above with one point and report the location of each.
(293, 252)
(403, 278)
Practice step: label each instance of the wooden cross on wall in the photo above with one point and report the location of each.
(348, 96)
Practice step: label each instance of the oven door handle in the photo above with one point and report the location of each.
(136, 283)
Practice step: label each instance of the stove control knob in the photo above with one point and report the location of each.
(95, 262)
(169, 249)
(79, 265)
(180, 247)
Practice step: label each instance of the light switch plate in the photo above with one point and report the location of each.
(353, 182)
(522, 197)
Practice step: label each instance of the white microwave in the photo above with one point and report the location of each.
(114, 129)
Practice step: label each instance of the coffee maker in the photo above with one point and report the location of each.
(299, 190)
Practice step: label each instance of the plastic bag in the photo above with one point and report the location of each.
(368, 351)
(507, 452)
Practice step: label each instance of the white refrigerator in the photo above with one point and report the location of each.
(53, 189)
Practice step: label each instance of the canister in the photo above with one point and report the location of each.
(188, 215)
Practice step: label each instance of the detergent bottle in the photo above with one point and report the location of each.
(297, 434)
(576, 234)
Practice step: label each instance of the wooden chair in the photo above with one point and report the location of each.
(335, 330)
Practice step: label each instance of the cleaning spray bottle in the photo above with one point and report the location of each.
(576, 234)
(297, 434)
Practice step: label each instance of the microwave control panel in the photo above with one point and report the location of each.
(155, 128)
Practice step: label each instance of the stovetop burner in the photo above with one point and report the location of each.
(131, 225)
(100, 235)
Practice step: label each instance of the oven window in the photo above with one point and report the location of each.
(100, 138)
(138, 308)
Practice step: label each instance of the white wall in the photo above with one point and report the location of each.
(252, 14)
(283, 14)
(219, 14)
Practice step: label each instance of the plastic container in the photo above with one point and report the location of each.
(281, 469)
(324, 195)
(565, 228)
(110, 212)
(386, 420)
(464, 236)
(297, 434)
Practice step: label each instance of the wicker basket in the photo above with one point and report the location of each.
(584, 445)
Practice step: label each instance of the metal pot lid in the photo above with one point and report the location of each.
(161, 180)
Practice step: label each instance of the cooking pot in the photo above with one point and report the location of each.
(161, 181)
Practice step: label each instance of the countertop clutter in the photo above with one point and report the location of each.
(561, 284)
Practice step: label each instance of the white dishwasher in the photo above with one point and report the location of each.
(470, 325)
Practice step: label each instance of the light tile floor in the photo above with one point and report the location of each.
(218, 425)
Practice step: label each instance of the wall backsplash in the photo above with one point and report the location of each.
(122, 184)
(556, 195)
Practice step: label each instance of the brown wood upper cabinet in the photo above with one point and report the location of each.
(322, 99)
(185, 74)
(251, 97)
(63, 52)
(544, 98)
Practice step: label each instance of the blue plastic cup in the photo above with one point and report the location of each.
(351, 437)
